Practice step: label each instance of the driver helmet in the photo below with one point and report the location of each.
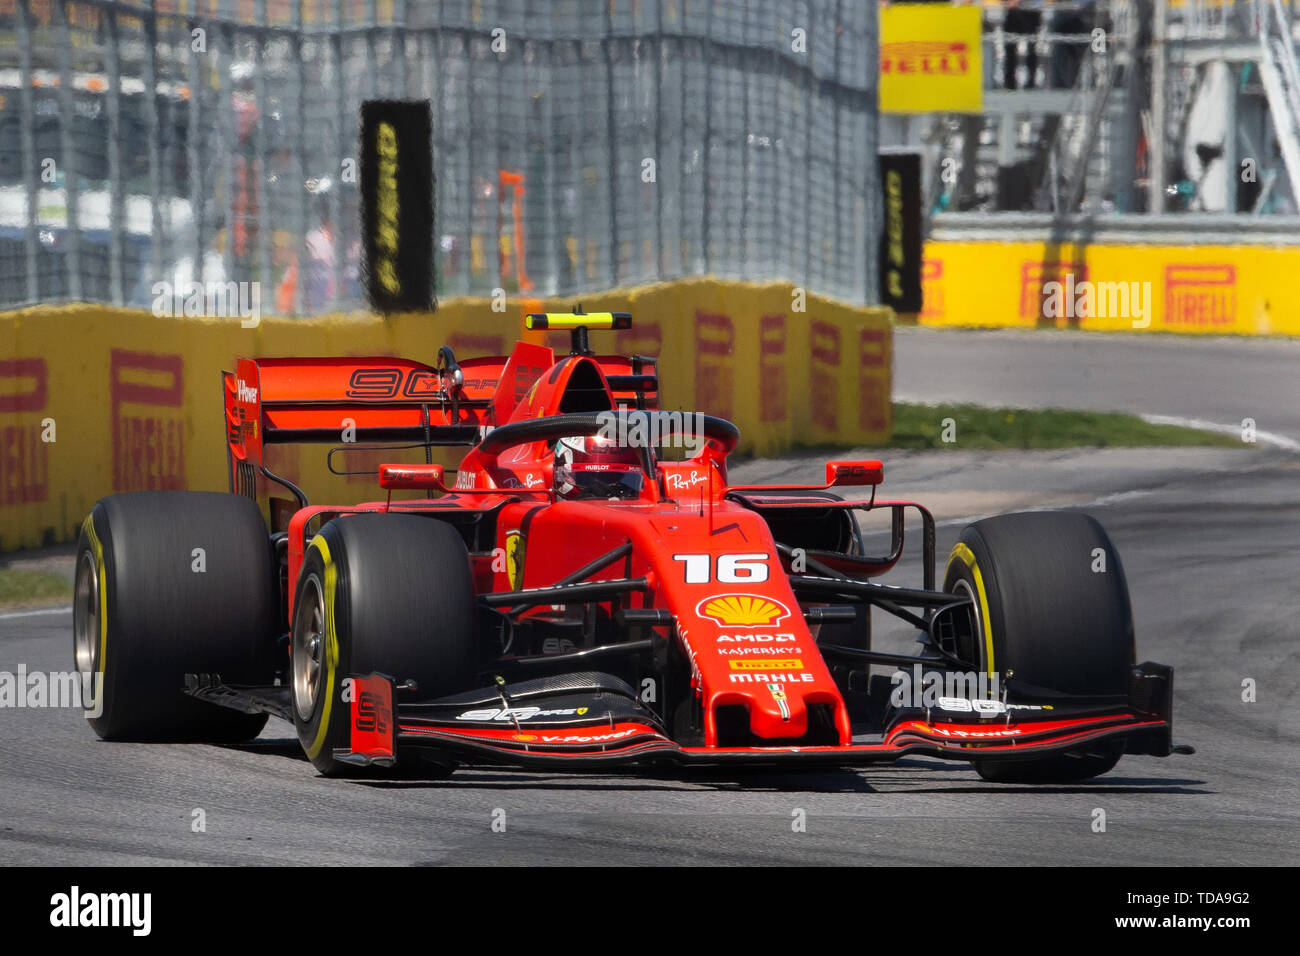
(596, 467)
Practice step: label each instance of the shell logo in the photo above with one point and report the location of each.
(743, 610)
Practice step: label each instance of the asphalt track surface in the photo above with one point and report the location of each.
(1208, 379)
(1207, 539)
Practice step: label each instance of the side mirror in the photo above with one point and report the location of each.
(421, 477)
(854, 473)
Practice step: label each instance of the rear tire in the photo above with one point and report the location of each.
(388, 594)
(1048, 619)
(170, 583)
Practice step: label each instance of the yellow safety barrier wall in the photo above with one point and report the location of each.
(1198, 289)
(96, 400)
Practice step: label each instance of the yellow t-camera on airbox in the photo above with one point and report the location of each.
(572, 320)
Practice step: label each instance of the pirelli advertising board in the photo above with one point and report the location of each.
(397, 204)
(900, 240)
(930, 59)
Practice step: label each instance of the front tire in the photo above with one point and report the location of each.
(170, 583)
(1046, 617)
(388, 594)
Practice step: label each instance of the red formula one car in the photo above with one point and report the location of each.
(591, 591)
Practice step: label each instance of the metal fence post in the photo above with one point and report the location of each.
(837, 176)
(1156, 149)
(660, 262)
(706, 164)
(258, 167)
(810, 84)
(150, 70)
(299, 184)
(401, 84)
(611, 131)
(194, 153)
(67, 117)
(115, 184)
(226, 152)
(341, 124)
(31, 163)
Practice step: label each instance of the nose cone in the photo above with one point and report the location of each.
(754, 663)
(775, 700)
(758, 663)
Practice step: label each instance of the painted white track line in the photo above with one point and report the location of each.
(14, 615)
(1268, 438)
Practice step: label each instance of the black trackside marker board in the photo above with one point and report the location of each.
(397, 204)
(900, 240)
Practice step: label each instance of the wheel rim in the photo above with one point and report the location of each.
(85, 615)
(977, 626)
(308, 647)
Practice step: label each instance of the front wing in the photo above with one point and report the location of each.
(586, 724)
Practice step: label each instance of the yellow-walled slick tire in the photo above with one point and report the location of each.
(170, 583)
(1051, 609)
(388, 594)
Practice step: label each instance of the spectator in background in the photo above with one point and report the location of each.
(320, 281)
(183, 271)
(1075, 26)
(352, 292)
(283, 258)
(1022, 20)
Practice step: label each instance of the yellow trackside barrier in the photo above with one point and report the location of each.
(1240, 290)
(96, 400)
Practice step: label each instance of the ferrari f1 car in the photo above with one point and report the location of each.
(590, 591)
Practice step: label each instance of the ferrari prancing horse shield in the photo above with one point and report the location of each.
(515, 559)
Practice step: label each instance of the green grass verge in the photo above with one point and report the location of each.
(31, 588)
(980, 428)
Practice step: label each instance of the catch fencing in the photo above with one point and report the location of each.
(578, 146)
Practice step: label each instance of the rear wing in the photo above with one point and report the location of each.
(388, 400)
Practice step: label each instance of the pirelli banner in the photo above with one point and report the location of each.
(900, 239)
(930, 59)
(1238, 290)
(397, 190)
(95, 400)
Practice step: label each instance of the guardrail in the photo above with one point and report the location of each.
(1192, 229)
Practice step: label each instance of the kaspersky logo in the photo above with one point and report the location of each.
(743, 610)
